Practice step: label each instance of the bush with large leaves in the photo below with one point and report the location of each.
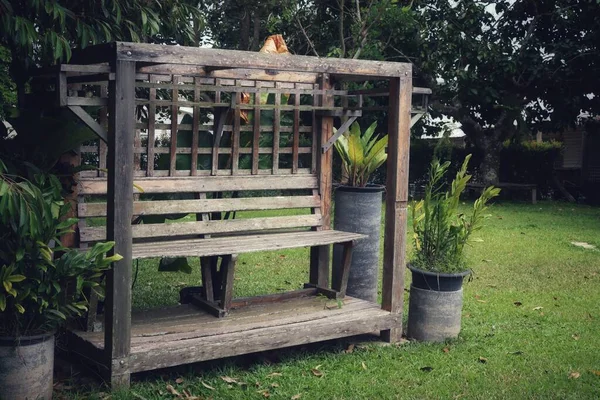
(41, 282)
(361, 153)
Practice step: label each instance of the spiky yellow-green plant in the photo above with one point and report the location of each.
(440, 231)
(362, 153)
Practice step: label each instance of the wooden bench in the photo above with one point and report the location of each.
(508, 186)
(209, 237)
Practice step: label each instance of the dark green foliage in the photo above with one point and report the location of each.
(440, 231)
(42, 283)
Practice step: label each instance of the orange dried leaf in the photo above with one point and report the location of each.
(206, 385)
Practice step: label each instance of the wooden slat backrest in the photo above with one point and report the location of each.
(297, 192)
(201, 135)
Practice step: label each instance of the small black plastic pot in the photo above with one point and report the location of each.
(440, 282)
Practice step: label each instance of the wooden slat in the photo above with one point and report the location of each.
(285, 333)
(394, 252)
(86, 210)
(276, 132)
(195, 123)
(151, 128)
(234, 73)
(243, 59)
(296, 134)
(241, 244)
(235, 140)
(314, 140)
(174, 118)
(207, 184)
(256, 136)
(102, 146)
(86, 101)
(219, 116)
(206, 227)
(265, 87)
(222, 172)
(320, 259)
(120, 206)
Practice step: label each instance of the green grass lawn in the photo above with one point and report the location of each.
(531, 325)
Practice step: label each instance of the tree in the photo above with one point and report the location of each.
(43, 32)
(502, 67)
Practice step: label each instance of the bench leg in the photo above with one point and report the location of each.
(319, 266)
(227, 275)
(534, 196)
(206, 264)
(341, 283)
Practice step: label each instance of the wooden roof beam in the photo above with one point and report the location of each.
(215, 58)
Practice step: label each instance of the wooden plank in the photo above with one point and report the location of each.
(271, 298)
(209, 306)
(174, 122)
(217, 246)
(315, 136)
(151, 128)
(195, 123)
(153, 53)
(324, 168)
(61, 89)
(221, 172)
(86, 101)
(92, 234)
(235, 140)
(233, 73)
(120, 210)
(89, 122)
(220, 117)
(166, 354)
(161, 207)
(185, 321)
(102, 146)
(394, 252)
(276, 131)
(256, 136)
(296, 134)
(207, 184)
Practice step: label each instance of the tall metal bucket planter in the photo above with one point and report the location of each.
(26, 367)
(358, 209)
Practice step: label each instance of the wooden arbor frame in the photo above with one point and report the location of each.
(120, 64)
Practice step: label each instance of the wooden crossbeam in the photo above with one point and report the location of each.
(345, 126)
(90, 122)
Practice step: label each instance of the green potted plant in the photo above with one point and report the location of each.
(438, 265)
(41, 282)
(358, 206)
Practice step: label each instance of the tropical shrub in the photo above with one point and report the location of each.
(42, 283)
(361, 153)
(441, 232)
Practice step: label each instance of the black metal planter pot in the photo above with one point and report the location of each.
(435, 305)
(26, 367)
(359, 210)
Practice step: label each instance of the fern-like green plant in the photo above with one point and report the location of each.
(361, 153)
(441, 232)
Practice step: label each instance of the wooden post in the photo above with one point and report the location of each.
(319, 260)
(394, 247)
(117, 332)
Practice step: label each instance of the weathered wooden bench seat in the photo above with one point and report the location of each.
(210, 236)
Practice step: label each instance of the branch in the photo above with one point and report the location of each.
(341, 29)
(306, 36)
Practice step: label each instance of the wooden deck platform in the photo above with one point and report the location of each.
(184, 334)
